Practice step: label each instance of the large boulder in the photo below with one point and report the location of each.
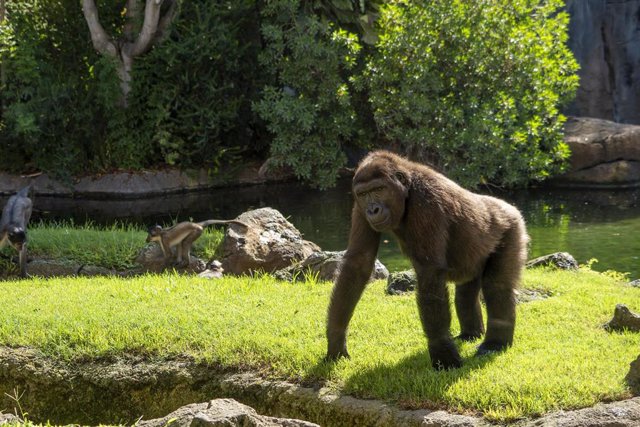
(326, 266)
(269, 243)
(221, 413)
(603, 153)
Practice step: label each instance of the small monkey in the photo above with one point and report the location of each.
(181, 236)
(13, 225)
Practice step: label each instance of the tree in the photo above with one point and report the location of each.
(158, 14)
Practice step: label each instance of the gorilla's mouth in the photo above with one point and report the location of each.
(380, 225)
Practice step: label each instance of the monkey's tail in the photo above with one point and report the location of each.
(220, 221)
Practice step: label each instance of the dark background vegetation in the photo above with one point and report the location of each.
(473, 87)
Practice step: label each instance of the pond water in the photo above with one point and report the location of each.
(588, 224)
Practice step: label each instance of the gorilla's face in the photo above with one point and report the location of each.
(380, 197)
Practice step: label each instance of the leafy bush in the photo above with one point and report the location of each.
(474, 87)
(193, 90)
(53, 116)
(308, 108)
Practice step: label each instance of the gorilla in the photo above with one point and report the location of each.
(449, 234)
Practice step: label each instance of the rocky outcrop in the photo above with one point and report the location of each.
(561, 260)
(221, 413)
(624, 319)
(269, 243)
(324, 266)
(604, 38)
(603, 154)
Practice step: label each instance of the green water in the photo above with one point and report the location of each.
(588, 224)
(604, 225)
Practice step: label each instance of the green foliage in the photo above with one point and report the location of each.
(308, 108)
(562, 358)
(52, 116)
(474, 87)
(193, 90)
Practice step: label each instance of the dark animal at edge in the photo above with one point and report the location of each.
(181, 236)
(13, 225)
(449, 234)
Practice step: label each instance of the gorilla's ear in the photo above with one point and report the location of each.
(402, 177)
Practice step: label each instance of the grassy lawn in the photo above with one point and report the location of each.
(562, 358)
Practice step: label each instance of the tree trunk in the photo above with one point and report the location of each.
(3, 71)
(124, 50)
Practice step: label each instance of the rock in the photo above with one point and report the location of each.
(604, 38)
(52, 268)
(528, 295)
(326, 265)
(633, 376)
(270, 243)
(221, 413)
(214, 270)
(93, 270)
(10, 419)
(635, 283)
(561, 260)
(603, 153)
(618, 414)
(151, 260)
(401, 282)
(623, 319)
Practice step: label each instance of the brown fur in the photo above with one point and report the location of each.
(449, 234)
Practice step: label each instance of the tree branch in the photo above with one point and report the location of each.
(132, 13)
(149, 28)
(165, 20)
(101, 41)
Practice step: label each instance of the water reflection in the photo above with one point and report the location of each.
(588, 224)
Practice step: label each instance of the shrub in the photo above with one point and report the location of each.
(308, 108)
(474, 87)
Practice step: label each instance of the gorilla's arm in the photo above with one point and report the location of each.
(356, 269)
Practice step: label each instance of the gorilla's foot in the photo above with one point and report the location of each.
(489, 347)
(333, 356)
(445, 356)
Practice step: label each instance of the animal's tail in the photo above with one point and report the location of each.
(221, 221)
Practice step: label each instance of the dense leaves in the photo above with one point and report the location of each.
(474, 87)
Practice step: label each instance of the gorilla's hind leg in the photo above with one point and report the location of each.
(499, 281)
(469, 311)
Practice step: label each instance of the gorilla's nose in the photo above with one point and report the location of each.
(374, 211)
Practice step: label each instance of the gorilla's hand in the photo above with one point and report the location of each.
(444, 355)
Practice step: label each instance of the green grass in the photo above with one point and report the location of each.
(562, 358)
(114, 246)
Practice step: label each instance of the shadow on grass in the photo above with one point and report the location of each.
(412, 382)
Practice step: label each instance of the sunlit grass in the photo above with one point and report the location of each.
(562, 358)
(114, 246)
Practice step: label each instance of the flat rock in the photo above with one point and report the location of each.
(221, 413)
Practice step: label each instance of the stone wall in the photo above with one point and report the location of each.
(605, 39)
